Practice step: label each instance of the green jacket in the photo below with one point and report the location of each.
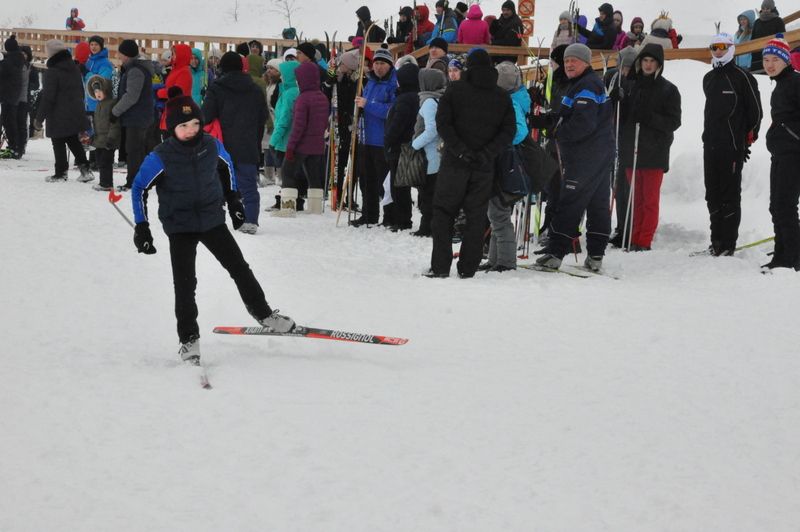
(107, 135)
(283, 111)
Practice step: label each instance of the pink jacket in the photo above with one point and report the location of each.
(474, 30)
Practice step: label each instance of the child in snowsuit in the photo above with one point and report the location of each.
(194, 175)
(107, 132)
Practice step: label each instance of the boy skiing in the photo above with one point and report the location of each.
(194, 175)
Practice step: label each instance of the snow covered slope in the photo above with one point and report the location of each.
(214, 17)
(667, 400)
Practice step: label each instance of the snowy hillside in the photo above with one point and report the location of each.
(664, 401)
(314, 17)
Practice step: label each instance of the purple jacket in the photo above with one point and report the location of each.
(310, 115)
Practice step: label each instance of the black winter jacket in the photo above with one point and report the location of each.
(761, 29)
(597, 41)
(135, 107)
(655, 104)
(475, 117)
(733, 108)
(11, 72)
(783, 136)
(241, 107)
(61, 101)
(506, 31)
(402, 115)
(377, 34)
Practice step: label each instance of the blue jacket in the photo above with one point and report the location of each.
(585, 132)
(447, 31)
(380, 95)
(192, 183)
(521, 101)
(97, 64)
(745, 60)
(429, 138)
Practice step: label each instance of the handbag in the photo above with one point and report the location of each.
(412, 168)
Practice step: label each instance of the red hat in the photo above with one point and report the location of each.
(82, 52)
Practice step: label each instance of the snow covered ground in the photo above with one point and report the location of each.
(665, 401)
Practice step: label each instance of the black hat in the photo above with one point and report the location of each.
(243, 48)
(308, 50)
(181, 109)
(508, 4)
(440, 43)
(478, 57)
(11, 44)
(608, 9)
(230, 62)
(461, 7)
(129, 48)
(440, 3)
(557, 54)
(99, 40)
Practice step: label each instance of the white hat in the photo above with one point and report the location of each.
(291, 52)
(167, 55)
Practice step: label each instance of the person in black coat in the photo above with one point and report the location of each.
(405, 25)
(768, 23)
(61, 107)
(585, 140)
(400, 130)
(604, 33)
(654, 104)
(506, 29)
(11, 88)
(376, 34)
(783, 143)
(732, 118)
(33, 89)
(476, 121)
(241, 108)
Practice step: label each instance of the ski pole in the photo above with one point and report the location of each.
(631, 194)
(113, 199)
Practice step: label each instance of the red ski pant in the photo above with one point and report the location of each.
(647, 194)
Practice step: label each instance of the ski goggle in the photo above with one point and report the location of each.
(718, 47)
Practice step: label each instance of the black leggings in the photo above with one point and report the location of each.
(221, 244)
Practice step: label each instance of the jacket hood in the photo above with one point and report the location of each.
(198, 53)
(288, 73)
(181, 56)
(431, 80)
(26, 50)
(74, 12)
(750, 15)
(407, 11)
(662, 23)
(483, 77)
(408, 78)
(608, 9)
(307, 76)
(363, 14)
(474, 12)
(654, 50)
(508, 76)
(423, 13)
(61, 59)
(100, 82)
(637, 20)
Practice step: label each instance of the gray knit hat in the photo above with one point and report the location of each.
(382, 54)
(580, 51)
(565, 15)
(53, 46)
(627, 56)
(508, 77)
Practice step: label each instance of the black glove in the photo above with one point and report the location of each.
(236, 210)
(746, 154)
(143, 239)
(617, 93)
(112, 118)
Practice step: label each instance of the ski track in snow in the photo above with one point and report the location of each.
(524, 401)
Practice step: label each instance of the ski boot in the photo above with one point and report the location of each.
(190, 351)
(276, 322)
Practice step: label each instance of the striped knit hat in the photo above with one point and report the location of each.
(779, 47)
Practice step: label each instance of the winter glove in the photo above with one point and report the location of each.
(747, 153)
(143, 239)
(751, 138)
(290, 155)
(235, 210)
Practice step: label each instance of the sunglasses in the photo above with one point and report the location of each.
(718, 47)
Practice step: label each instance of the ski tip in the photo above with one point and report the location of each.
(388, 340)
(228, 330)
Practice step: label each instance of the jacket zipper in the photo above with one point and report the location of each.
(735, 103)
(792, 133)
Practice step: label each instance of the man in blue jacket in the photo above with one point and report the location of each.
(585, 142)
(375, 102)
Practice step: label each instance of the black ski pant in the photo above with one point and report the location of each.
(8, 117)
(105, 165)
(22, 127)
(303, 170)
(373, 173)
(220, 242)
(723, 179)
(460, 187)
(586, 190)
(425, 200)
(60, 146)
(401, 200)
(784, 193)
(135, 149)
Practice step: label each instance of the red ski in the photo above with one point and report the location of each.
(313, 332)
